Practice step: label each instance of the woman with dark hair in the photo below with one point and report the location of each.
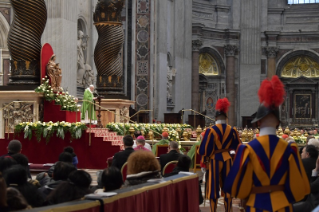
(111, 179)
(141, 167)
(16, 177)
(70, 150)
(76, 187)
(6, 162)
(15, 200)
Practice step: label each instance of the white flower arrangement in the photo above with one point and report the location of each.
(46, 130)
(66, 101)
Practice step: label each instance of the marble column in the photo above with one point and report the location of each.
(271, 60)
(230, 51)
(196, 44)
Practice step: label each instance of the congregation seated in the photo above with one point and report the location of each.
(16, 176)
(312, 200)
(183, 165)
(23, 161)
(140, 144)
(164, 141)
(75, 188)
(15, 200)
(314, 142)
(137, 134)
(121, 157)
(309, 157)
(70, 150)
(60, 174)
(63, 157)
(5, 163)
(111, 179)
(14, 147)
(141, 167)
(172, 155)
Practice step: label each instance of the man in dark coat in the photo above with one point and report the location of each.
(121, 157)
(309, 157)
(172, 155)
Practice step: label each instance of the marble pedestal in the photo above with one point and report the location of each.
(118, 106)
(24, 108)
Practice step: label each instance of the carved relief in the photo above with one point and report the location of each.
(124, 112)
(230, 50)
(271, 52)
(17, 113)
(196, 45)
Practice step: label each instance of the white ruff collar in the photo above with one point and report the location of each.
(220, 122)
(267, 131)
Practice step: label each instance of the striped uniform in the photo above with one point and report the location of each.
(217, 142)
(268, 161)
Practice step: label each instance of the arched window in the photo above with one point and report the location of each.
(298, 66)
(208, 64)
(302, 1)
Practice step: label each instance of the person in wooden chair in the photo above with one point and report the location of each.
(216, 144)
(267, 172)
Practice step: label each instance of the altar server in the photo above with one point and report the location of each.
(216, 144)
(267, 172)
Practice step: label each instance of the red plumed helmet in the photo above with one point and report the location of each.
(271, 92)
(222, 105)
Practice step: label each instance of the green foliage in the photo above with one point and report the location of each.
(67, 102)
(47, 130)
(123, 129)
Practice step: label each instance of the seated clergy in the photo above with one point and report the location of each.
(140, 142)
(121, 157)
(147, 145)
(172, 155)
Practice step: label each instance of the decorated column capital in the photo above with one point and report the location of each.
(271, 52)
(196, 44)
(230, 50)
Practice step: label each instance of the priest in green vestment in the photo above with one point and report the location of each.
(164, 141)
(87, 110)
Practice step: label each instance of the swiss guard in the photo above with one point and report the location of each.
(218, 141)
(267, 172)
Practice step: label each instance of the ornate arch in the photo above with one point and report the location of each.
(301, 62)
(217, 57)
(4, 31)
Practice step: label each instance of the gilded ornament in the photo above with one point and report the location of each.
(300, 66)
(151, 135)
(198, 132)
(185, 135)
(131, 130)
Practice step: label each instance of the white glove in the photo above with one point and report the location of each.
(203, 170)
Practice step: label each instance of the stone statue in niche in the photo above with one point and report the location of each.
(171, 72)
(55, 74)
(81, 46)
(88, 76)
(81, 60)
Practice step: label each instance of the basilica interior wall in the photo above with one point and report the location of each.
(263, 40)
